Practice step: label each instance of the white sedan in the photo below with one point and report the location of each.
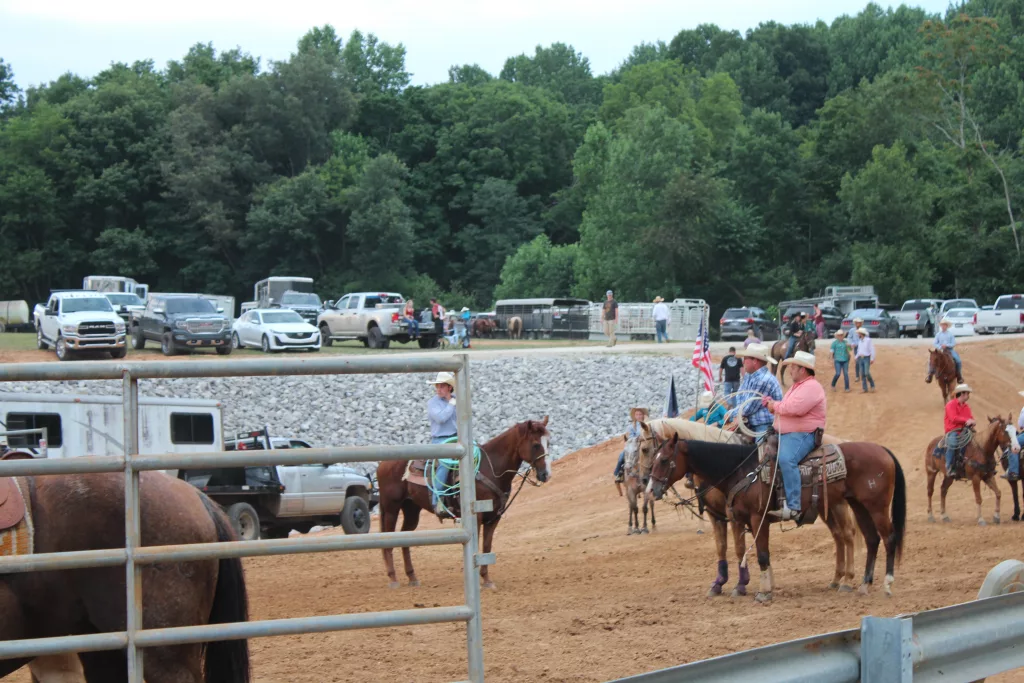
(962, 321)
(274, 329)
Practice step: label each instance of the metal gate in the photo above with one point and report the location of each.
(134, 557)
(636, 320)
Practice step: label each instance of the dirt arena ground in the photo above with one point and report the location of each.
(578, 601)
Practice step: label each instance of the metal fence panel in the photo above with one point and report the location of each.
(134, 557)
(636, 320)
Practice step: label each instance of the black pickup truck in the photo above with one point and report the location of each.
(179, 322)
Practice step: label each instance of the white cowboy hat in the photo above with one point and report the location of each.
(658, 299)
(801, 358)
(840, 333)
(758, 352)
(858, 320)
(705, 400)
(864, 331)
(945, 321)
(444, 378)
(962, 389)
(464, 309)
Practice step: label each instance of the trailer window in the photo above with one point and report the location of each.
(191, 428)
(51, 421)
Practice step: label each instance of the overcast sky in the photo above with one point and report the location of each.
(42, 39)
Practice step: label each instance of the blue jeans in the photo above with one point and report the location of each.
(793, 447)
(730, 388)
(661, 330)
(620, 464)
(842, 367)
(864, 370)
(951, 440)
(440, 472)
(790, 346)
(1014, 459)
(414, 327)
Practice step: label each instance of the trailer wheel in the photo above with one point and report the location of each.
(245, 521)
(355, 516)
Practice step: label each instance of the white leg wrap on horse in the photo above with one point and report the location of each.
(889, 579)
(766, 581)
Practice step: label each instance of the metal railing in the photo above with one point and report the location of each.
(134, 638)
(957, 644)
(636, 320)
(42, 443)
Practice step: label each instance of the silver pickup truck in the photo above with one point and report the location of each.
(918, 317)
(374, 318)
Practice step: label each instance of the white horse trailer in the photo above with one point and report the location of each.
(83, 424)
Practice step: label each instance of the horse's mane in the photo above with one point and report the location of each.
(717, 461)
(983, 438)
(667, 427)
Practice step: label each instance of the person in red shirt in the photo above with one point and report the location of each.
(958, 417)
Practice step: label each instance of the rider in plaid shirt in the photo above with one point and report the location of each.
(759, 381)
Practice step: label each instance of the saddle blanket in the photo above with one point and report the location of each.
(20, 538)
(834, 461)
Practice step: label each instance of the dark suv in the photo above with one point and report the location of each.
(736, 321)
(181, 321)
(833, 316)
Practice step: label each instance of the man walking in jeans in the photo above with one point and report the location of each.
(730, 367)
(610, 317)
(661, 316)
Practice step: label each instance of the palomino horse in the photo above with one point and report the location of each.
(637, 467)
(945, 372)
(515, 327)
(979, 464)
(874, 481)
(805, 342)
(500, 460)
(86, 512)
(840, 519)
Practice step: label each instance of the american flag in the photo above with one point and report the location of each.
(702, 354)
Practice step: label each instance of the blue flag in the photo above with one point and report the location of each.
(672, 407)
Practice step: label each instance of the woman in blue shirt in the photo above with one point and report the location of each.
(945, 340)
(714, 417)
(636, 416)
(441, 413)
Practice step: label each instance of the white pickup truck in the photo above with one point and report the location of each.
(80, 321)
(1006, 316)
(374, 318)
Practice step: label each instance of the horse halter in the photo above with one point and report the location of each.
(671, 466)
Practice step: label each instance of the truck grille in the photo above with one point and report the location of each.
(205, 326)
(99, 328)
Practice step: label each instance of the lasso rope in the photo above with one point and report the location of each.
(443, 490)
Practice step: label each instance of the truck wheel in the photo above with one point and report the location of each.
(40, 342)
(427, 342)
(63, 352)
(265, 345)
(119, 353)
(325, 335)
(375, 338)
(138, 340)
(225, 350)
(167, 346)
(245, 521)
(355, 516)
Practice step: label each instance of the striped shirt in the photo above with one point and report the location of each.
(762, 382)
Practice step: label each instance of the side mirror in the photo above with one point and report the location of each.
(158, 311)
(50, 312)
(329, 303)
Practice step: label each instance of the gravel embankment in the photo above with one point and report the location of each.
(586, 399)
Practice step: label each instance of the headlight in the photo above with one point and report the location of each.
(69, 329)
(181, 324)
(119, 327)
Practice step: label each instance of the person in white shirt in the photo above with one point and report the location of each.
(661, 317)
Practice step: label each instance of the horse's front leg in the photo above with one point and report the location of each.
(740, 548)
(947, 481)
(764, 560)
(990, 481)
(648, 496)
(644, 529)
(1016, 501)
(488, 538)
(976, 485)
(931, 488)
(722, 545)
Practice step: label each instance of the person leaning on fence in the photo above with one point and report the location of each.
(865, 358)
(633, 431)
(730, 368)
(610, 316)
(958, 417)
(839, 352)
(661, 318)
(441, 413)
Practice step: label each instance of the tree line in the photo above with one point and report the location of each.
(744, 169)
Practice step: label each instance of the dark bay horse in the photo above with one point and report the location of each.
(500, 460)
(945, 372)
(839, 521)
(86, 512)
(874, 482)
(979, 464)
(805, 342)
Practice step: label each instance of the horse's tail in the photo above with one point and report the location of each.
(899, 509)
(227, 661)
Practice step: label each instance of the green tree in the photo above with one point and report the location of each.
(538, 269)
(559, 69)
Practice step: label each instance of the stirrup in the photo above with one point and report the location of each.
(785, 514)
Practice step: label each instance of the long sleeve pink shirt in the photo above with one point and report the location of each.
(802, 409)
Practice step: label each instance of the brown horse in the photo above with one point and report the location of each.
(979, 463)
(86, 512)
(945, 372)
(839, 521)
(500, 460)
(515, 327)
(874, 481)
(639, 459)
(1013, 483)
(805, 342)
(484, 327)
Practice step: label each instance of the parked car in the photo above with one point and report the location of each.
(878, 321)
(950, 304)
(735, 322)
(961, 321)
(181, 321)
(306, 304)
(126, 303)
(274, 329)
(374, 318)
(1007, 315)
(81, 321)
(918, 317)
(833, 316)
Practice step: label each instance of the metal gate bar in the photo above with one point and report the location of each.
(134, 557)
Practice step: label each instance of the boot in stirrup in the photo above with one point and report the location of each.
(785, 514)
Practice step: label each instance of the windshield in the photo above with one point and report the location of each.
(300, 299)
(960, 313)
(1010, 303)
(866, 313)
(736, 313)
(372, 301)
(196, 305)
(959, 303)
(96, 303)
(282, 317)
(125, 300)
(916, 306)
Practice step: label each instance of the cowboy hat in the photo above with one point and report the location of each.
(946, 321)
(608, 293)
(645, 411)
(864, 331)
(464, 309)
(444, 378)
(962, 389)
(858, 320)
(705, 400)
(658, 299)
(801, 358)
(757, 352)
(840, 333)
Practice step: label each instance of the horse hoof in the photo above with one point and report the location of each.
(834, 586)
(981, 522)
(846, 589)
(739, 592)
(715, 591)
(863, 590)
(414, 583)
(997, 520)
(490, 585)
(394, 584)
(644, 531)
(931, 518)
(945, 518)
(1016, 517)
(763, 598)
(630, 532)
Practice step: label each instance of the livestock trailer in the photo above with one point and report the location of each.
(546, 318)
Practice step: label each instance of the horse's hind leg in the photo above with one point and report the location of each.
(410, 519)
(1016, 501)
(883, 528)
(871, 540)
(931, 486)
(976, 485)
(836, 526)
(388, 522)
(991, 483)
